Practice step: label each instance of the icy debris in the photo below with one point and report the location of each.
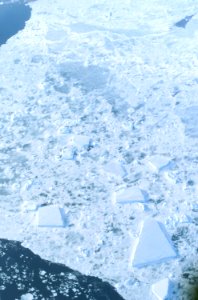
(67, 154)
(161, 289)
(195, 207)
(169, 176)
(78, 140)
(159, 163)
(27, 296)
(50, 216)
(115, 168)
(177, 219)
(153, 245)
(130, 195)
(29, 206)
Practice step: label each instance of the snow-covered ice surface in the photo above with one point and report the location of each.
(162, 289)
(123, 74)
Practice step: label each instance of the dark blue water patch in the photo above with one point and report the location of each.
(23, 272)
(182, 23)
(13, 17)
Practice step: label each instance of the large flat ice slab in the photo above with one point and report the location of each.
(130, 195)
(161, 289)
(50, 216)
(153, 245)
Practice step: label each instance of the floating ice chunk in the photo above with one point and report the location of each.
(177, 219)
(159, 162)
(50, 216)
(27, 296)
(115, 168)
(130, 195)
(153, 245)
(161, 289)
(189, 118)
(67, 154)
(169, 177)
(81, 140)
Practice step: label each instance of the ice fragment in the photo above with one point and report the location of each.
(115, 168)
(81, 141)
(130, 195)
(50, 216)
(29, 206)
(161, 289)
(159, 162)
(153, 245)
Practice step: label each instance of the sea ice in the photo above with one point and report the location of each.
(28, 206)
(153, 245)
(189, 118)
(81, 140)
(50, 216)
(115, 168)
(130, 195)
(67, 154)
(158, 162)
(161, 289)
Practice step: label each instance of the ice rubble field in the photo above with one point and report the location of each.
(99, 137)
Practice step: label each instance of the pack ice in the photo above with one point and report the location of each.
(159, 162)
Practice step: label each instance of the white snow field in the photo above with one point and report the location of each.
(97, 98)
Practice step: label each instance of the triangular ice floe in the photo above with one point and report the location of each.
(81, 141)
(161, 289)
(153, 245)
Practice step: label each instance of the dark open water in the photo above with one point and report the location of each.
(22, 272)
(12, 19)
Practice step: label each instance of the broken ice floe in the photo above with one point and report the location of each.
(160, 163)
(130, 195)
(162, 289)
(50, 216)
(153, 245)
(27, 296)
(81, 141)
(67, 154)
(72, 145)
(189, 118)
(115, 168)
